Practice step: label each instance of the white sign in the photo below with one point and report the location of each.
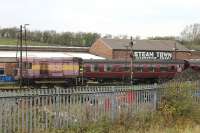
(153, 55)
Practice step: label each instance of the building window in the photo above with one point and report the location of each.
(1, 71)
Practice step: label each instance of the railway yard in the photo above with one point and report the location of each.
(100, 66)
(43, 88)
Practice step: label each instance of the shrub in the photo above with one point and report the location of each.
(177, 104)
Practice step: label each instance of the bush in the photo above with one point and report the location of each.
(177, 104)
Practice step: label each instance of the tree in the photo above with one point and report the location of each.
(51, 37)
(191, 34)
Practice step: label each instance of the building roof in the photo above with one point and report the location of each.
(45, 48)
(153, 45)
(36, 54)
(8, 60)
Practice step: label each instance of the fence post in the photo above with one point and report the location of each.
(113, 103)
(155, 98)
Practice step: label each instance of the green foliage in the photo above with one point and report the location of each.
(191, 36)
(178, 103)
(81, 39)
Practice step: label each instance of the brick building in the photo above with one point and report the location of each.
(142, 49)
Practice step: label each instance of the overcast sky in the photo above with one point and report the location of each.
(131, 17)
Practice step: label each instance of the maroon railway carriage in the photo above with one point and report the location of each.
(107, 70)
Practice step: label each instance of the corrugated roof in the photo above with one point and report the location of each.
(35, 54)
(157, 45)
(8, 59)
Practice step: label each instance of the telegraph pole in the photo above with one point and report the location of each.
(20, 62)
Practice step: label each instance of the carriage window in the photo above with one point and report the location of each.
(163, 69)
(15, 72)
(172, 68)
(151, 69)
(138, 69)
(1, 71)
(126, 68)
(86, 69)
(94, 68)
(27, 65)
(107, 67)
(116, 68)
(24, 65)
(17, 65)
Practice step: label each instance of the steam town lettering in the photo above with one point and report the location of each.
(153, 55)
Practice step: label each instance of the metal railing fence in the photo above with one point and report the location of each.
(30, 110)
(41, 109)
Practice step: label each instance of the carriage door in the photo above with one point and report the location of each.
(44, 68)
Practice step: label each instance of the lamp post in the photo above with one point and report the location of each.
(21, 52)
(25, 38)
(132, 57)
(20, 59)
(25, 41)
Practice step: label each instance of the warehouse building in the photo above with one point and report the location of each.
(142, 49)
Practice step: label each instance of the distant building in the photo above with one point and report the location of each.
(143, 49)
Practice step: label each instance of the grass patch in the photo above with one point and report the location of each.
(7, 41)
